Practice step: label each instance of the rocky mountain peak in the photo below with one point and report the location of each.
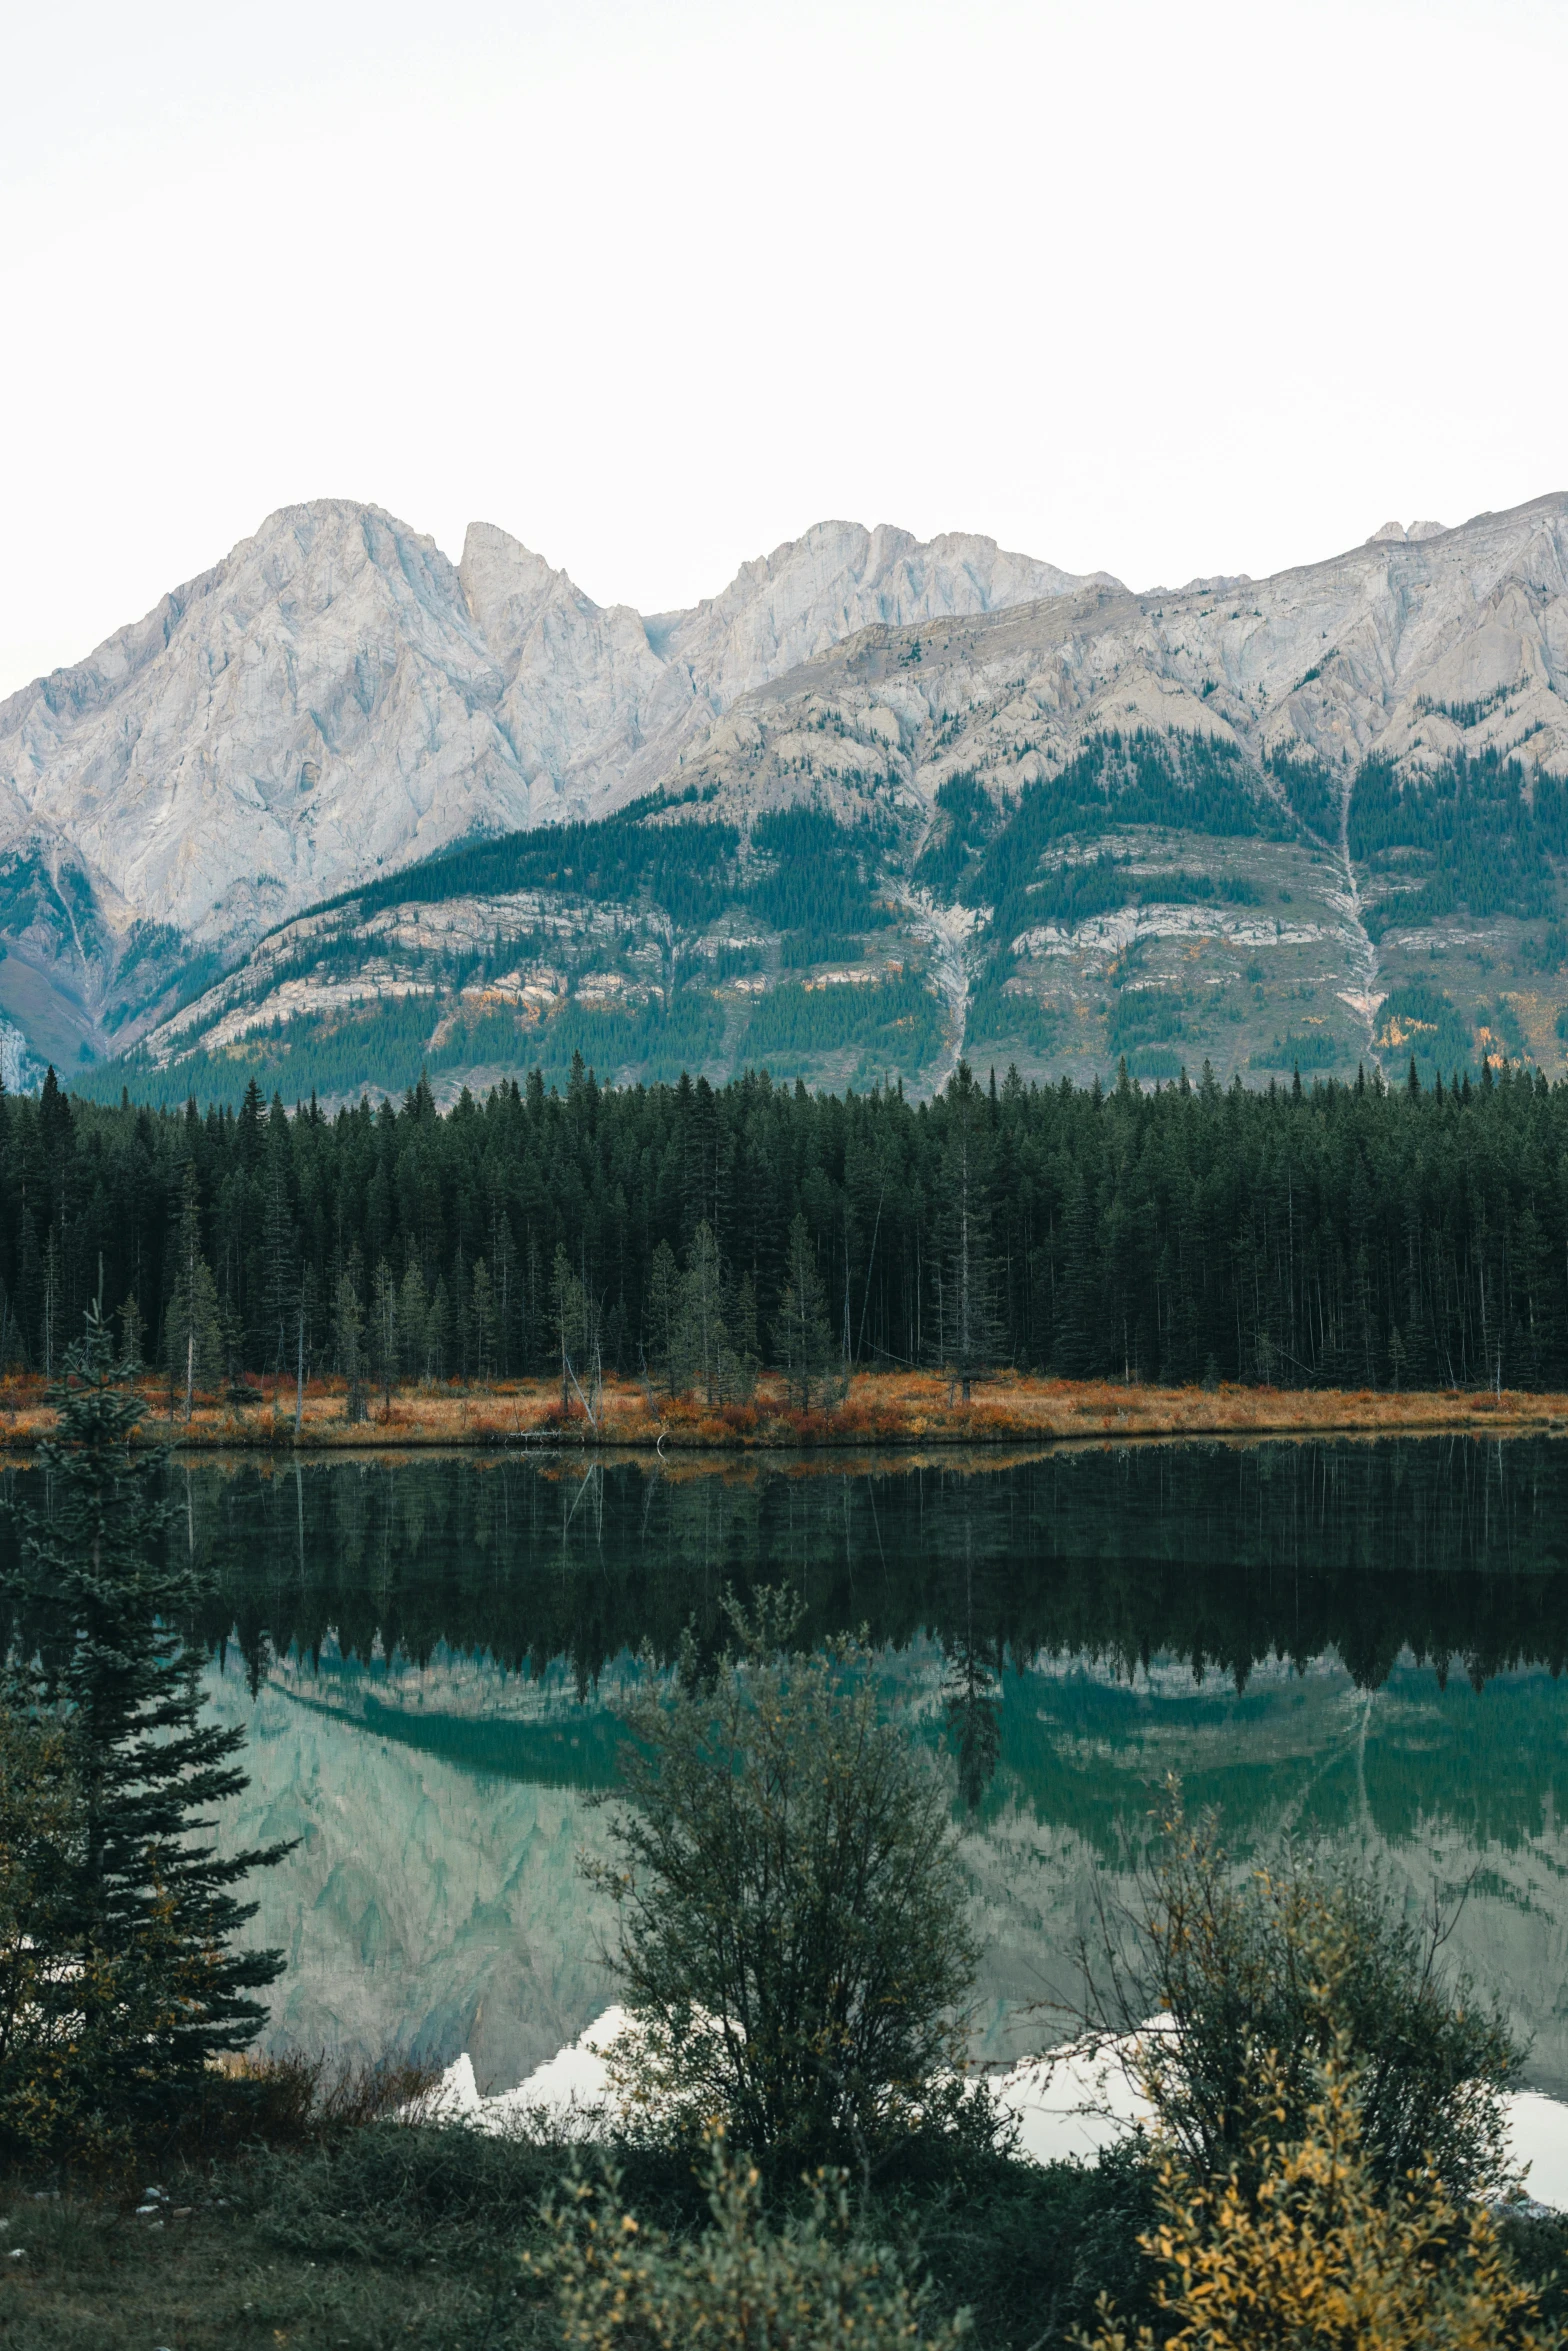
(336, 698)
(1397, 533)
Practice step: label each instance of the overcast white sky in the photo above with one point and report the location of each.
(1168, 289)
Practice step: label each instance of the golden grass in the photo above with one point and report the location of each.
(881, 1409)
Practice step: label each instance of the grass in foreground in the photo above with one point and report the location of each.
(405, 2239)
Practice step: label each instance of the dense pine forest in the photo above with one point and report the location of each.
(1323, 1233)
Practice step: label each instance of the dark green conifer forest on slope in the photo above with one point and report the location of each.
(1330, 1233)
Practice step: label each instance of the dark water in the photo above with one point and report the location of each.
(1361, 1640)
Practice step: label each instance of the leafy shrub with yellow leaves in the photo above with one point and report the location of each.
(810, 2285)
(1303, 2249)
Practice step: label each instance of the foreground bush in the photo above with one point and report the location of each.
(1292, 1965)
(795, 1938)
(811, 2285)
(1313, 2253)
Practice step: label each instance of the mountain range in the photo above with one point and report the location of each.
(339, 809)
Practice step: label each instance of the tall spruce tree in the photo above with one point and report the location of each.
(385, 1348)
(969, 1322)
(707, 1357)
(802, 1340)
(146, 1915)
(348, 1335)
(664, 1295)
(193, 1332)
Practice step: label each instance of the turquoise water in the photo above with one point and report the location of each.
(1362, 1642)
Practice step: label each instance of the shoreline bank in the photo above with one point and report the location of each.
(881, 1410)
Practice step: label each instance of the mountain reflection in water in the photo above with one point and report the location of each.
(1362, 1641)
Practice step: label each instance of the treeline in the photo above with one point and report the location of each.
(1331, 1233)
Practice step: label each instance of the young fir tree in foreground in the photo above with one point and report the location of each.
(143, 1912)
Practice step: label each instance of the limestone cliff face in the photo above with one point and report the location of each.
(335, 698)
(314, 706)
(1416, 646)
(601, 703)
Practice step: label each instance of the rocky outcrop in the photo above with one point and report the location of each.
(1417, 647)
(335, 698)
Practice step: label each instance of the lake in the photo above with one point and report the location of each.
(1359, 1641)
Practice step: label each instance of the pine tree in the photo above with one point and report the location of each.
(348, 1334)
(438, 1332)
(148, 1913)
(132, 1334)
(413, 1319)
(801, 1337)
(704, 1347)
(384, 1346)
(193, 1330)
(576, 1330)
(664, 1291)
(484, 1312)
(280, 1244)
(970, 1334)
(51, 1315)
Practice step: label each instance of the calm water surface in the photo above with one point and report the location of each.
(1361, 1640)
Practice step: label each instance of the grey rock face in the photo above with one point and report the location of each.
(335, 698)
(1419, 649)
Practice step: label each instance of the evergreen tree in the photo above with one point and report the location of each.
(144, 1914)
(802, 1340)
(969, 1335)
(576, 1326)
(742, 1323)
(133, 1332)
(40, 1850)
(485, 1326)
(664, 1292)
(438, 1332)
(413, 1318)
(348, 1336)
(279, 1245)
(703, 1342)
(193, 1328)
(385, 1349)
(51, 1298)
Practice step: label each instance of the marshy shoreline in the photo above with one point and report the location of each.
(881, 1410)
